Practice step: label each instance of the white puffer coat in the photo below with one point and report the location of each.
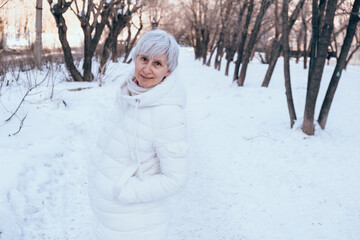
(139, 160)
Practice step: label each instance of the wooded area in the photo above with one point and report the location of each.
(235, 31)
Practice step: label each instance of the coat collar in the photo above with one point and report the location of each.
(168, 92)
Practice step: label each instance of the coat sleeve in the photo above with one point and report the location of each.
(172, 149)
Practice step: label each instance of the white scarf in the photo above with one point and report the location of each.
(133, 88)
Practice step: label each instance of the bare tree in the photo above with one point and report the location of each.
(38, 40)
(58, 9)
(286, 53)
(340, 65)
(93, 18)
(225, 17)
(322, 22)
(202, 15)
(3, 3)
(130, 41)
(304, 29)
(251, 43)
(156, 10)
(243, 36)
(277, 45)
(120, 17)
(233, 42)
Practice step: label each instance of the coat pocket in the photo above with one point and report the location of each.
(128, 172)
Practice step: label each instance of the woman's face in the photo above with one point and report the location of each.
(149, 72)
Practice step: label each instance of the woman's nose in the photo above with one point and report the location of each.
(147, 68)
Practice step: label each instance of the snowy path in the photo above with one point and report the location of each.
(252, 177)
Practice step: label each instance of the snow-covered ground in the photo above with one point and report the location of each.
(252, 177)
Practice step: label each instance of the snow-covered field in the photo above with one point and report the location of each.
(252, 177)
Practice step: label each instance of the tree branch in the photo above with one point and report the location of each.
(22, 100)
(2, 5)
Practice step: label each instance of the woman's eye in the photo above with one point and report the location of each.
(158, 63)
(144, 59)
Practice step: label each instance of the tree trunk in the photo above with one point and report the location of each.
(227, 67)
(119, 22)
(305, 39)
(88, 76)
(231, 48)
(219, 51)
(205, 44)
(62, 29)
(105, 55)
(38, 40)
(320, 44)
(211, 55)
(277, 46)
(286, 53)
(131, 43)
(251, 43)
(351, 29)
(242, 41)
(298, 41)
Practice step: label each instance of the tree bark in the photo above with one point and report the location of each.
(230, 49)
(130, 43)
(38, 40)
(320, 44)
(242, 41)
(57, 12)
(340, 65)
(286, 53)
(303, 18)
(251, 43)
(91, 40)
(119, 22)
(277, 46)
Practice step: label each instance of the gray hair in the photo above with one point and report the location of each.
(156, 43)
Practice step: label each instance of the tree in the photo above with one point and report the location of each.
(3, 3)
(251, 43)
(119, 18)
(202, 15)
(57, 10)
(93, 18)
(304, 27)
(225, 17)
(322, 23)
(156, 10)
(286, 53)
(340, 65)
(277, 45)
(242, 40)
(130, 41)
(38, 41)
(233, 42)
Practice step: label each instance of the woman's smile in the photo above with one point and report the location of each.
(149, 72)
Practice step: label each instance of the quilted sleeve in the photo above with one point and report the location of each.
(172, 150)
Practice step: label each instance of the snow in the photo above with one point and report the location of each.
(17, 43)
(252, 177)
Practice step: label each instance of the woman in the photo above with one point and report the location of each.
(141, 155)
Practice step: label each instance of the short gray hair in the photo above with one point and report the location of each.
(156, 43)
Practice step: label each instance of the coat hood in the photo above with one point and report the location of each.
(168, 92)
